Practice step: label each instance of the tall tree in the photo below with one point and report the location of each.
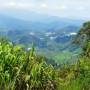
(84, 33)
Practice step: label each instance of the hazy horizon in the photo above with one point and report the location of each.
(74, 9)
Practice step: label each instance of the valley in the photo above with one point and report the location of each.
(55, 44)
(44, 44)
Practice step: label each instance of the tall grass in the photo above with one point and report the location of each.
(24, 70)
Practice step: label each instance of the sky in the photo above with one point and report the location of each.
(79, 9)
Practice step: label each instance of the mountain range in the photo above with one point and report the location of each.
(51, 35)
(35, 22)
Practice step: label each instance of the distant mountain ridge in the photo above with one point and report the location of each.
(45, 23)
(50, 35)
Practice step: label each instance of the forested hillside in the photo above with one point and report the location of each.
(52, 43)
(22, 69)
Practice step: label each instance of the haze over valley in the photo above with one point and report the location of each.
(51, 35)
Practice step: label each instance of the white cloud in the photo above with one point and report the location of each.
(11, 4)
(62, 7)
(67, 8)
(81, 8)
(44, 5)
(18, 5)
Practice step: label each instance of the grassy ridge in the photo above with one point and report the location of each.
(21, 70)
(24, 70)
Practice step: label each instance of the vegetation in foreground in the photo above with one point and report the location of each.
(24, 70)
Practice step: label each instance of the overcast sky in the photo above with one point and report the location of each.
(63, 8)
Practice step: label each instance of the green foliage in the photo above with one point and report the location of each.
(75, 77)
(24, 70)
(84, 34)
(21, 70)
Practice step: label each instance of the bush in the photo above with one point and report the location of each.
(23, 70)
